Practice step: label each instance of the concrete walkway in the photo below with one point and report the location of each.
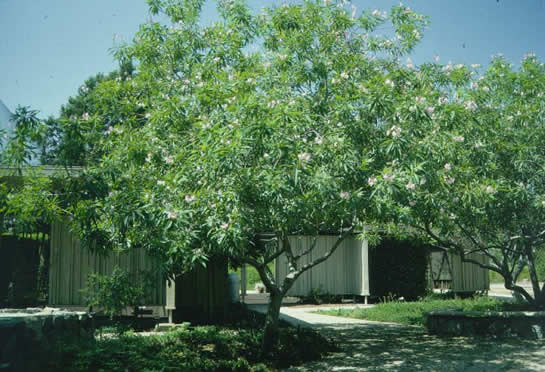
(304, 316)
(375, 346)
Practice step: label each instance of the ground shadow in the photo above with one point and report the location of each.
(380, 347)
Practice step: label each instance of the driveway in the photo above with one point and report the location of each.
(374, 346)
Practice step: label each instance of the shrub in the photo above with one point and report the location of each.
(116, 291)
(398, 269)
(207, 348)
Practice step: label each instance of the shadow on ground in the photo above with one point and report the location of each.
(387, 347)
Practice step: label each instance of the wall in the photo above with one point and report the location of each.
(344, 273)
(71, 264)
(199, 296)
(460, 277)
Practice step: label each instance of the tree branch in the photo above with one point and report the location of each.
(326, 256)
(312, 246)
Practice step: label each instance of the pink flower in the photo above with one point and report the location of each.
(394, 131)
(190, 198)
(388, 177)
(345, 195)
(372, 181)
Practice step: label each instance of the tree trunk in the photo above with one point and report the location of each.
(538, 298)
(270, 334)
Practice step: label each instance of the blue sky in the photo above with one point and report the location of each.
(49, 47)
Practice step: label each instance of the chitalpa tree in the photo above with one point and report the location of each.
(253, 124)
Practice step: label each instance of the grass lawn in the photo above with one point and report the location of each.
(412, 313)
(231, 347)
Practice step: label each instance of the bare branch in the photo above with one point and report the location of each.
(252, 262)
(286, 246)
(327, 255)
(480, 264)
(312, 246)
(273, 257)
(278, 252)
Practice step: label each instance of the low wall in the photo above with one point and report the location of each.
(28, 336)
(529, 325)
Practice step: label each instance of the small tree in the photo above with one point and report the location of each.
(27, 137)
(117, 291)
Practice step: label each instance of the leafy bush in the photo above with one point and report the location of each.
(398, 269)
(115, 292)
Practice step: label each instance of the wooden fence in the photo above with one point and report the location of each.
(70, 266)
(447, 271)
(346, 272)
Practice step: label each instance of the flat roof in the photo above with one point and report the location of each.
(39, 170)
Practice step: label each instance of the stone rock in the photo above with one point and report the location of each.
(28, 336)
(529, 325)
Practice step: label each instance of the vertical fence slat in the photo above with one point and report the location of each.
(70, 266)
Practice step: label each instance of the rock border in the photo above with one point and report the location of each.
(28, 336)
(522, 324)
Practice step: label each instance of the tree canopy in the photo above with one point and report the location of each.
(474, 183)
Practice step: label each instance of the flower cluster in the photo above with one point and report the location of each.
(449, 180)
(470, 105)
(390, 83)
(190, 198)
(344, 195)
(394, 131)
(388, 177)
(304, 156)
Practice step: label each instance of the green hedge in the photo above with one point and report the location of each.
(398, 269)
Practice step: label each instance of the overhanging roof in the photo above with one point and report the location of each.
(40, 171)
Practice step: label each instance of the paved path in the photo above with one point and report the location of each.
(374, 346)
